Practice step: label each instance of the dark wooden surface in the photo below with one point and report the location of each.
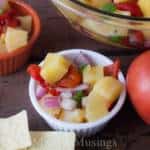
(125, 132)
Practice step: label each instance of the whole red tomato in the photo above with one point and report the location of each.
(138, 85)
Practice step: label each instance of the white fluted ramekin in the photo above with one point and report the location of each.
(84, 129)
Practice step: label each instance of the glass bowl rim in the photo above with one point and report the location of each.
(131, 18)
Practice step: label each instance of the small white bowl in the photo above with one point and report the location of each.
(84, 129)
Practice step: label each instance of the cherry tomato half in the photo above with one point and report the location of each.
(71, 79)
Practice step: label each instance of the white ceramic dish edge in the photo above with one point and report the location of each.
(84, 129)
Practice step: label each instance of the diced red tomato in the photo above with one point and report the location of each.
(8, 18)
(113, 69)
(130, 6)
(13, 22)
(34, 71)
(53, 92)
(71, 79)
(136, 38)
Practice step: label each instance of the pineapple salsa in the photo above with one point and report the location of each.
(14, 28)
(128, 37)
(76, 90)
(136, 8)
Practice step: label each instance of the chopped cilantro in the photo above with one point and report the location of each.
(78, 96)
(109, 7)
(116, 39)
(82, 67)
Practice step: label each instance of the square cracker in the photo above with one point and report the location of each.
(14, 132)
(52, 141)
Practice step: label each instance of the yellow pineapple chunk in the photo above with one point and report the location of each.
(95, 3)
(92, 74)
(145, 7)
(96, 107)
(26, 22)
(109, 88)
(76, 116)
(54, 68)
(15, 38)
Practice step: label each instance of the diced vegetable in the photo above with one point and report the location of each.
(144, 6)
(109, 7)
(76, 116)
(113, 69)
(71, 79)
(66, 95)
(53, 91)
(116, 39)
(68, 104)
(54, 68)
(91, 74)
(40, 92)
(51, 105)
(83, 60)
(52, 101)
(34, 71)
(130, 6)
(108, 88)
(82, 67)
(78, 96)
(84, 101)
(96, 107)
(15, 38)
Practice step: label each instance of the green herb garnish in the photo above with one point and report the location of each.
(1, 11)
(109, 7)
(82, 67)
(116, 39)
(78, 96)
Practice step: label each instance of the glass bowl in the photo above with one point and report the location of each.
(111, 29)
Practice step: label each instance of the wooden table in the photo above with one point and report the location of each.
(125, 132)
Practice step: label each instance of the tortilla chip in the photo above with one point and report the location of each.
(52, 141)
(14, 132)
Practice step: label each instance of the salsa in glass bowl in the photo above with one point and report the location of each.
(121, 23)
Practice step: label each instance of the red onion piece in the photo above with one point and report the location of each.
(147, 44)
(3, 4)
(40, 92)
(83, 59)
(78, 88)
(52, 102)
